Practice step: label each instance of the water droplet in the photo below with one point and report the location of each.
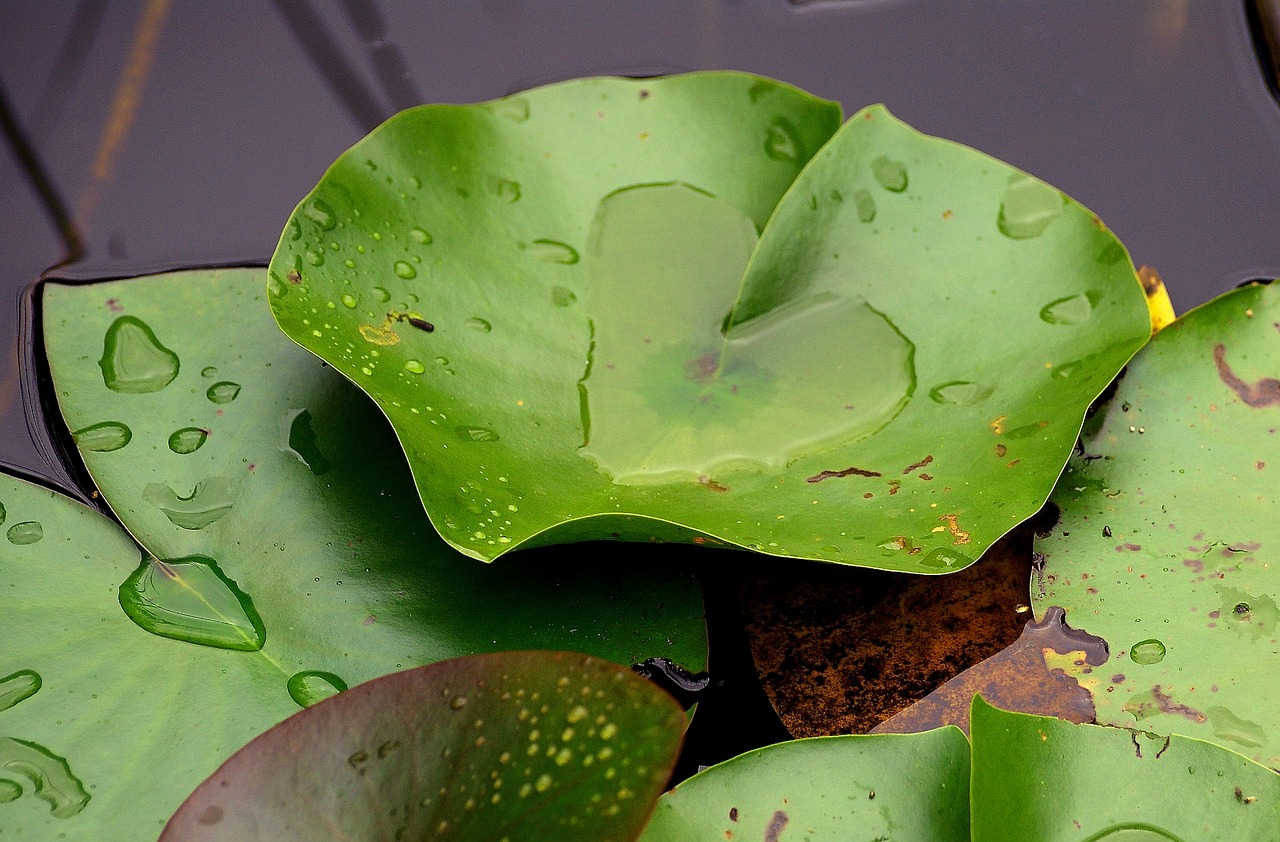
(420, 236)
(458, 703)
(381, 294)
(315, 258)
(479, 325)
(781, 143)
(514, 108)
(442, 360)
(9, 791)
(295, 230)
(944, 558)
(191, 599)
(209, 371)
(405, 270)
(577, 714)
(301, 441)
(103, 437)
(562, 296)
(187, 440)
(476, 434)
(209, 501)
(608, 731)
(133, 360)
(27, 532)
(543, 783)
(223, 391)
(1228, 726)
(414, 366)
(319, 212)
(311, 686)
(960, 393)
(50, 775)
(350, 301)
(553, 251)
(1134, 832)
(865, 205)
(508, 191)
(889, 174)
(1028, 207)
(21, 685)
(1147, 652)
(1072, 310)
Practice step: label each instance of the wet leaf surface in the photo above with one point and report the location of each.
(511, 746)
(1167, 523)
(912, 786)
(1045, 779)
(327, 572)
(837, 390)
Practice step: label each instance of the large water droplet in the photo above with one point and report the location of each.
(49, 774)
(508, 191)
(319, 212)
(301, 441)
(479, 325)
(1028, 207)
(27, 532)
(960, 392)
(103, 437)
(349, 301)
(381, 294)
(865, 205)
(223, 392)
(311, 686)
(467, 433)
(191, 599)
(133, 360)
(22, 684)
(1147, 652)
(553, 251)
(1072, 310)
(944, 558)
(9, 791)
(187, 439)
(562, 296)
(208, 502)
(404, 269)
(420, 236)
(889, 174)
(781, 143)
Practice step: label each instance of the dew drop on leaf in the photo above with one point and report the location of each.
(21, 685)
(27, 532)
(133, 360)
(889, 174)
(223, 392)
(1028, 207)
(1147, 652)
(187, 440)
(404, 269)
(103, 437)
(311, 686)
(781, 142)
(191, 599)
(553, 251)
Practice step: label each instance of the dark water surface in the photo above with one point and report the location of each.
(182, 133)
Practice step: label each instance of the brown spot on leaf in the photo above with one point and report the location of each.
(925, 461)
(953, 527)
(847, 472)
(997, 426)
(1261, 393)
(1128, 548)
(1001, 450)
(294, 277)
(702, 369)
(894, 485)
(708, 482)
(777, 822)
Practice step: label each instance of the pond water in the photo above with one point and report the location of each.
(168, 135)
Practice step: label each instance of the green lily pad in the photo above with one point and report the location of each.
(1167, 527)
(1040, 778)
(507, 746)
(891, 374)
(295, 584)
(904, 786)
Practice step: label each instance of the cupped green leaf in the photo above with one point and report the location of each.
(543, 288)
(1041, 778)
(904, 786)
(508, 746)
(1168, 525)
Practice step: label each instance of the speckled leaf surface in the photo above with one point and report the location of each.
(509, 746)
(890, 375)
(900, 786)
(1041, 778)
(1168, 530)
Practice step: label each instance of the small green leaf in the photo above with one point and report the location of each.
(508, 746)
(900, 786)
(1168, 529)
(889, 373)
(1040, 778)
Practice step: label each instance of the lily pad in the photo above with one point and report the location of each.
(508, 746)
(890, 373)
(904, 786)
(1168, 523)
(302, 586)
(1040, 778)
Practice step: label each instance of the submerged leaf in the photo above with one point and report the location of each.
(1168, 525)
(513, 745)
(889, 373)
